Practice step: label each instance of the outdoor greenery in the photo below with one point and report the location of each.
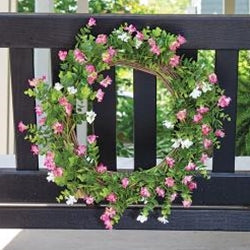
(124, 75)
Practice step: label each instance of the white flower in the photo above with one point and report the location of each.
(186, 143)
(168, 124)
(58, 86)
(50, 177)
(123, 36)
(206, 87)
(163, 220)
(90, 116)
(138, 43)
(142, 218)
(177, 143)
(195, 93)
(72, 90)
(71, 200)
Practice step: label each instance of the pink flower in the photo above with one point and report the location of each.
(170, 161)
(207, 143)
(108, 224)
(92, 77)
(101, 168)
(99, 95)
(192, 185)
(57, 172)
(202, 110)
(22, 127)
(104, 217)
(224, 101)
(63, 101)
(197, 118)
(49, 161)
(173, 196)
(79, 56)
(174, 61)
(106, 81)
(181, 115)
(151, 42)
(144, 192)
(81, 150)
(213, 78)
(174, 46)
(186, 203)
(110, 211)
(35, 81)
(42, 121)
(58, 128)
(155, 50)
(131, 29)
(190, 167)
(106, 57)
(90, 68)
(160, 192)
(111, 198)
(101, 39)
(139, 36)
(181, 39)
(219, 133)
(89, 200)
(111, 51)
(34, 149)
(38, 110)
(68, 109)
(125, 182)
(187, 179)
(203, 158)
(206, 129)
(62, 55)
(91, 22)
(91, 138)
(169, 182)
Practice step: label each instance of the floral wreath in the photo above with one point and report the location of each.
(195, 121)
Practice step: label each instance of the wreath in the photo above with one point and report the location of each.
(195, 121)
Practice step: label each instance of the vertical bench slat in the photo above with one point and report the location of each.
(22, 69)
(105, 123)
(144, 120)
(55, 65)
(227, 70)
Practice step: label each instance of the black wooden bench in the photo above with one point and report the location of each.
(28, 201)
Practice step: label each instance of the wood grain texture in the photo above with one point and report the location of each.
(226, 65)
(22, 69)
(202, 32)
(88, 218)
(144, 120)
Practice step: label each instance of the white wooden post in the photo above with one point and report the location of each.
(6, 125)
(82, 7)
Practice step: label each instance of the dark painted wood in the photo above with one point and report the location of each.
(26, 186)
(58, 31)
(226, 65)
(77, 217)
(188, 53)
(21, 61)
(144, 120)
(105, 122)
(16, 187)
(55, 65)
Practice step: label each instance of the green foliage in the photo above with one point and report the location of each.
(243, 104)
(26, 6)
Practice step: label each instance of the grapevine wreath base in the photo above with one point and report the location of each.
(194, 122)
